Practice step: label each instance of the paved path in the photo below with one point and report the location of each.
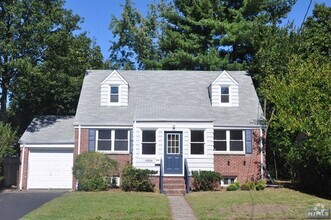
(180, 209)
(14, 205)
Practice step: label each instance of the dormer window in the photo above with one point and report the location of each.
(114, 94)
(225, 94)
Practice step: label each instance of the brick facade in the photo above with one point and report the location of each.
(122, 159)
(245, 167)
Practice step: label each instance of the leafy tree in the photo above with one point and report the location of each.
(136, 46)
(204, 34)
(24, 27)
(36, 36)
(281, 60)
(42, 62)
(316, 32)
(53, 87)
(302, 102)
(7, 139)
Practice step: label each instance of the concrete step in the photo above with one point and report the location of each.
(173, 186)
(174, 191)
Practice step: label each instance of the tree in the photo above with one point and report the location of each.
(316, 32)
(302, 102)
(195, 35)
(136, 44)
(7, 139)
(24, 27)
(42, 62)
(53, 87)
(292, 70)
(32, 35)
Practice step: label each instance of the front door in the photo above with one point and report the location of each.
(173, 155)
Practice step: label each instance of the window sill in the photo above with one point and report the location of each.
(113, 152)
(230, 153)
(114, 104)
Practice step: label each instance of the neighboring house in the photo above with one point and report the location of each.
(174, 120)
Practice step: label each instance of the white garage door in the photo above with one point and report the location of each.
(50, 168)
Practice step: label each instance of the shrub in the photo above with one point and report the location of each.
(244, 187)
(231, 187)
(7, 139)
(251, 185)
(93, 171)
(137, 179)
(237, 184)
(260, 185)
(206, 180)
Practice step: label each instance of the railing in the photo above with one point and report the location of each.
(161, 177)
(187, 177)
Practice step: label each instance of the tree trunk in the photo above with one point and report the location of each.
(4, 93)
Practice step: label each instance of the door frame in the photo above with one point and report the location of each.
(180, 149)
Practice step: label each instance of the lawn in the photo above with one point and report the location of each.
(105, 205)
(266, 204)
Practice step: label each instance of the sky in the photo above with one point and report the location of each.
(97, 15)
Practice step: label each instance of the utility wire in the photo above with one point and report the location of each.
(304, 18)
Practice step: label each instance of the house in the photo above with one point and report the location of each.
(173, 122)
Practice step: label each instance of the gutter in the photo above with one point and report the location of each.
(22, 168)
(79, 137)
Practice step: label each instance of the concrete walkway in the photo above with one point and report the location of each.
(180, 209)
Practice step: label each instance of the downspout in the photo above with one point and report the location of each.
(22, 168)
(79, 137)
(261, 152)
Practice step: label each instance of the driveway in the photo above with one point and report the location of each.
(15, 204)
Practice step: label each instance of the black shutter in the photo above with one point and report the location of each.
(91, 140)
(248, 141)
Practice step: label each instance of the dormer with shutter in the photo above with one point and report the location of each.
(114, 90)
(224, 91)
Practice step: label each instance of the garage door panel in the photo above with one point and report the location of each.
(50, 168)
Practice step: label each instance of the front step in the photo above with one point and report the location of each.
(174, 185)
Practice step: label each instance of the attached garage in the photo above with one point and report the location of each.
(47, 153)
(50, 168)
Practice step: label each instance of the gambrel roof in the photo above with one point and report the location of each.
(167, 96)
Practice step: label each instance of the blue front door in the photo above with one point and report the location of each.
(173, 153)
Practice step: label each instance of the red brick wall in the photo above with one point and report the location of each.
(25, 168)
(122, 159)
(246, 167)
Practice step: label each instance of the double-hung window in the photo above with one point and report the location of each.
(229, 141)
(197, 142)
(148, 142)
(114, 94)
(225, 94)
(104, 140)
(112, 140)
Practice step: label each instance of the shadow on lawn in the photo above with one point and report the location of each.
(300, 188)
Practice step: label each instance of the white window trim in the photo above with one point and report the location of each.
(204, 144)
(112, 151)
(230, 96)
(228, 177)
(118, 180)
(228, 144)
(141, 144)
(119, 95)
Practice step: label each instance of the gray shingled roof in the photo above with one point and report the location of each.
(50, 129)
(167, 96)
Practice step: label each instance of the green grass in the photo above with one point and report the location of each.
(266, 204)
(104, 205)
